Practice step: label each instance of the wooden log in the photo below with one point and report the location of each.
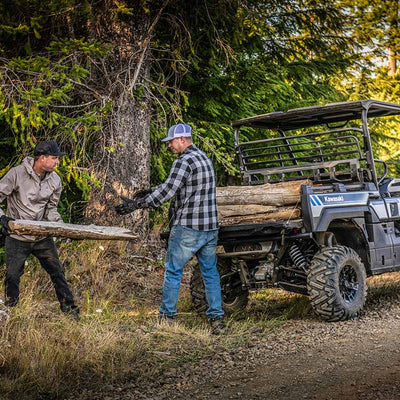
(276, 194)
(225, 211)
(280, 214)
(72, 231)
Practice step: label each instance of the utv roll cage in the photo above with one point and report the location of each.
(341, 153)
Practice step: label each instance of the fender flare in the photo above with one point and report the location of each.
(330, 214)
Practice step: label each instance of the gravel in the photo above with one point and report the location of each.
(301, 359)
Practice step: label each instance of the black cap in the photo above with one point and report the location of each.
(47, 148)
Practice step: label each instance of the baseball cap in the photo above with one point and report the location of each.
(47, 148)
(178, 130)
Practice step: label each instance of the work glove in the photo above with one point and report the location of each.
(5, 229)
(127, 206)
(141, 193)
(130, 205)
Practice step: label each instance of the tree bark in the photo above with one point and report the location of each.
(250, 209)
(278, 214)
(122, 156)
(392, 63)
(278, 194)
(59, 229)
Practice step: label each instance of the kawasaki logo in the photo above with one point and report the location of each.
(336, 198)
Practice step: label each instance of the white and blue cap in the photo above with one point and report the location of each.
(178, 130)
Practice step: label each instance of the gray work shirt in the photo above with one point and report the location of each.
(30, 197)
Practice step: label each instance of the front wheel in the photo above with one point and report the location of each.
(234, 297)
(337, 283)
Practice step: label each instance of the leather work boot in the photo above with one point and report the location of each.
(165, 319)
(217, 325)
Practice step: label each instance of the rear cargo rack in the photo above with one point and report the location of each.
(341, 154)
(333, 155)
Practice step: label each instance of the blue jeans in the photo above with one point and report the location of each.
(183, 244)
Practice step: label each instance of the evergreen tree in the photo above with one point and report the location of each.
(100, 75)
(266, 56)
(374, 26)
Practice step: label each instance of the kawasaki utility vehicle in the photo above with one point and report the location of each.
(349, 225)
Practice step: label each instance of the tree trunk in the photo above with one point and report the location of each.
(124, 166)
(392, 63)
(122, 156)
(278, 194)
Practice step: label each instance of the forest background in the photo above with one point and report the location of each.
(107, 78)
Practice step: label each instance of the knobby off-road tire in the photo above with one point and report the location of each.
(337, 283)
(234, 298)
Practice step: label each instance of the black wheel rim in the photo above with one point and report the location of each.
(348, 283)
(231, 288)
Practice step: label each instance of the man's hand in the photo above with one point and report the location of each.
(5, 229)
(130, 205)
(141, 193)
(127, 206)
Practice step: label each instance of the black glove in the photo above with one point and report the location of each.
(127, 206)
(142, 193)
(130, 205)
(5, 229)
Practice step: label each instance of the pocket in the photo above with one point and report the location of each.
(191, 238)
(213, 238)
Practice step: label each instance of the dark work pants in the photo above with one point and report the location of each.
(45, 251)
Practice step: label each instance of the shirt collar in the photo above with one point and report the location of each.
(189, 149)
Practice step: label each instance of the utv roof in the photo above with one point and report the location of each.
(318, 115)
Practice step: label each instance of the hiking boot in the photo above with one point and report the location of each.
(217, 325)
(72, 312)
(10, 302)
(165, 319)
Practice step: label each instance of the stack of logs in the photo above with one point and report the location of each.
(255, 204)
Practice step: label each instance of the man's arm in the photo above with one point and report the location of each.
(51, 213)
(177, 178)
(160, 194)
(7, 186)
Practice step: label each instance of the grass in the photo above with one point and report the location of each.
(46, 355)
(383, 290)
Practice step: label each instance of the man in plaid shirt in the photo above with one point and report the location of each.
(194, 223)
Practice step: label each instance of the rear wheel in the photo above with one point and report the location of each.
(234, 298)
(337, 283)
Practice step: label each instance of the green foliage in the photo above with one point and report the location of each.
(373, 24)
(46, 101)
(373, 27)
(212, 63)
(250, 58)
(385, 132)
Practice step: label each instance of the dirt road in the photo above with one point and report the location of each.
(302, 359)
(358, 360)
(312, 359)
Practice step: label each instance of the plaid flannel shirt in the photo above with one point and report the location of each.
(192, 182)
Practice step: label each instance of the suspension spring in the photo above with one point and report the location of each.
(297, 257)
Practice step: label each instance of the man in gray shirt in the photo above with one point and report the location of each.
(33, 190)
